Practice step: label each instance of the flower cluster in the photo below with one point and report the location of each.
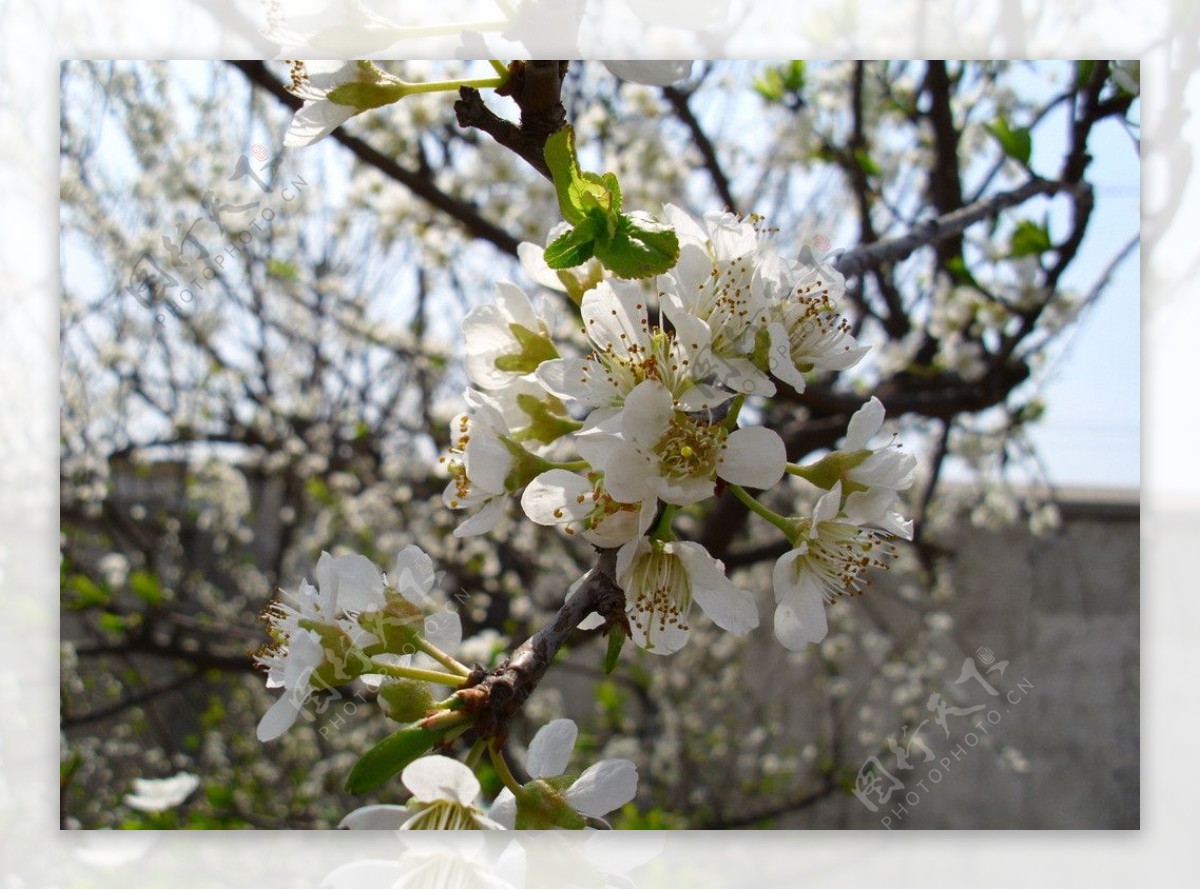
(609, 442)
(446, 793)
(356, 623)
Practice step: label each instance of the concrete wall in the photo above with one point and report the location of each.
(1064, 612)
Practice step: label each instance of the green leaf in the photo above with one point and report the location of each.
(282, 269)
(146, 587)
(780, 80)
(564, 168)
(640, 249)
(1017, 144)
(616, 640)
(957, 267)
(87, 593)
(392, 755)
(1029, 238)
(770, 86)
(113, 623)
(572, 248)
(866, 163)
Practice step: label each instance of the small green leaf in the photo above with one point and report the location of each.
(616, 640)
(640, 249)
(282, 269)
(564, 168)
(1017, 144)
(866, 163)
(113, 623)
(1029, 238)
(770, 86)
(146, 587)
(957, 267)
(571, 248)
(87, 593)
(392, 755)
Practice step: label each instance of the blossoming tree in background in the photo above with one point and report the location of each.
(676, 414)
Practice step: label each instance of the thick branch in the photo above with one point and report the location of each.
(536, 87)
(498, 694)
(871, 256)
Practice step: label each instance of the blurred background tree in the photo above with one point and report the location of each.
(259, 362)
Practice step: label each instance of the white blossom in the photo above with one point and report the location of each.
(662, 580)
(156, 795)
(602, 788)
(333, 92)
(445, 797)
(832, 549)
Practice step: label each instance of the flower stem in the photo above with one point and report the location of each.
(735, 408)
(506, 776)
(782, 523)
(662, 530)
(447, 661)
(442, 86)
(802, 471)
(499, 67)
(411, 673)
(476, 753)
(575, 466)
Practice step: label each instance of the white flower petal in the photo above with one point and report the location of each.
(376, 817)
(504, 809)
(630, 474)
(516, 306)
(828, 505)
(866, 422)
(651, 73)
(443, 629)
(754, 457)
(689, 490)
(800, 616)
(157, 795)
(556, 497)
(603, 787)
(360, 583)
(413, 575)
(730, 608)
(279, 717)
(327, 584)
(483, 521)
(647, 412)
(436, 777)
(614, 315)
(550, 750)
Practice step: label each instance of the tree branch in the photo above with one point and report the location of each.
(536, 87)
(871, 256)
(679, 102)
(498, 694)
